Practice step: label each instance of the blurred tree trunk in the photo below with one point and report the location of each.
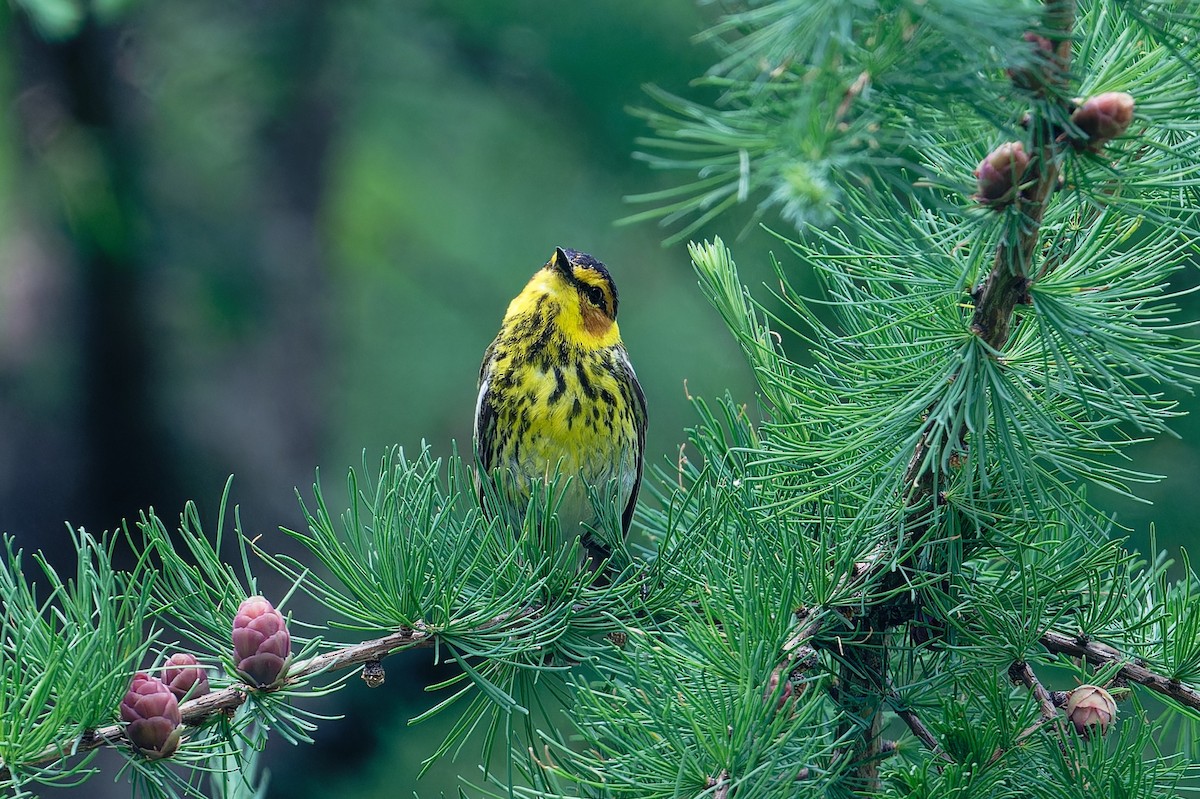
(139, 419)
(107, 456)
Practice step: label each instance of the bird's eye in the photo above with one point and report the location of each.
(595, 295)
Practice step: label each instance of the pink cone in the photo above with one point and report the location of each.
(262, 644)
(1091, 709)
(185, 677)
(1103, 118)
(151, 715)
(1000, 173)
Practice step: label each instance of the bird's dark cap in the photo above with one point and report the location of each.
(564, 258)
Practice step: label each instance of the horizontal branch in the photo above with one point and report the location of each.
(195, 712)
(812, 623)
(199, 710)
(1132, 669)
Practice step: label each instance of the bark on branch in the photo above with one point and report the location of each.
(1132, 669)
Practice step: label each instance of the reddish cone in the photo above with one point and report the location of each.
(1000, 173)
(791, 687)
(1103, 118)
(262, 645)
(184, 676)
(1032, 76)
(151, 715)
(1091, 709)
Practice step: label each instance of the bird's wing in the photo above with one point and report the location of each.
(485, 414)
(639, 421)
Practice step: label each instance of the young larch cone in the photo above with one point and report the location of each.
(1091, 709)
(1032, 74)
(773, 688)
(1000, 174)
(1102, 118)
(151, 715)
(262, 645)
(183, 674)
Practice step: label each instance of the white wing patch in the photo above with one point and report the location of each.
(483, 390)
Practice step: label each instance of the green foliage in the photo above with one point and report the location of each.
(414, 552)
(817, 96)
(667, 713)
(65, 657)
(897, 436)
(198, 591)
(239, 775)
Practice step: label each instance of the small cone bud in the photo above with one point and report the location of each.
(773, 689)
(1091, 709)
(183, 674)
(1031, 75)
(1038, 41)
(792, 687)
(262, 645)
(1103, 118)
(151, 715)
(1000, 173)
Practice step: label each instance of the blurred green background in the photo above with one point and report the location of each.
(261, 237)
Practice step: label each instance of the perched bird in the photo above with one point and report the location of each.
(558, 396)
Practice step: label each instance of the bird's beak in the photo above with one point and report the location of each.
(560, 262)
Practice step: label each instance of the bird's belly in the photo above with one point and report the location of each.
(585, 449)
(583, 466)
